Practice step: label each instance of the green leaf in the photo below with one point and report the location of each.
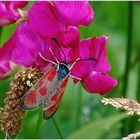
(98, 128)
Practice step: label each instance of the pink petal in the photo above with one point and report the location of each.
(69, 38)
(99, 52)
(2, 7)
(44, 18)
(28, 45)
(24, 47)
(97, 82)
(75, 12)
(6, 17)
(96, 48)
(81, 69)
(16, 4)
(92, 48)
(5, 57)
(8, 11)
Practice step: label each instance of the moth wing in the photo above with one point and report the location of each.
(50, 111)
(36, 95)
(51, 107)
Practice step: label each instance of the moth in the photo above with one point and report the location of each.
(49, 89)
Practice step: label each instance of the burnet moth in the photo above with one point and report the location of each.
(49, 89)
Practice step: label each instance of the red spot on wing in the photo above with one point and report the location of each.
(48, 113)
(43, 91)
(64, 83)
(52, 109)
(31, 98)
(55, 97)
(41, 81)
(52, 75)
(47, 73)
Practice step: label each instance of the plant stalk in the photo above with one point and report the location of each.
(138, 86)
(57, 128)
(128, 49)
(134, 126)
(125, 128)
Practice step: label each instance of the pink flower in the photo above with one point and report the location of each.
(9, 13)
(23, 48)
(94, 74)
(59, 20)
(49, 20)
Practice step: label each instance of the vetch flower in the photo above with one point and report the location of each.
(49, 20)
(59, 20)
(46, 20)
(10, 11)
(23, 48)
(94, 75)
(50, 35)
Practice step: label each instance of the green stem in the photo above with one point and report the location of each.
(134, 126)
(125, 128)
(138, 86)
(79, 107)
(57, 128)
(128, 49)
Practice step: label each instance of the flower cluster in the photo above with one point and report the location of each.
(10, 11)
(59, 20)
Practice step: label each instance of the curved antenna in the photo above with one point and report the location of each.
(45, 59)
(54, 39)
(54, 56)
(78, 60)
(74, 63)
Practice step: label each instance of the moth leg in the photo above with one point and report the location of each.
(72, 76)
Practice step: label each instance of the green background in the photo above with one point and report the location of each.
(82, 115)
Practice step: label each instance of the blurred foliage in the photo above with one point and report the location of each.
(81, 115)
(100, 130)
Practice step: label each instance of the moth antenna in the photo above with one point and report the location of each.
(91, 58)
(54, 56)
(54, 39)
(74, 63)
(45, 59)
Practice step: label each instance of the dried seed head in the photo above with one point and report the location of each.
(131, 106)
(12, 113)
(132, 136)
